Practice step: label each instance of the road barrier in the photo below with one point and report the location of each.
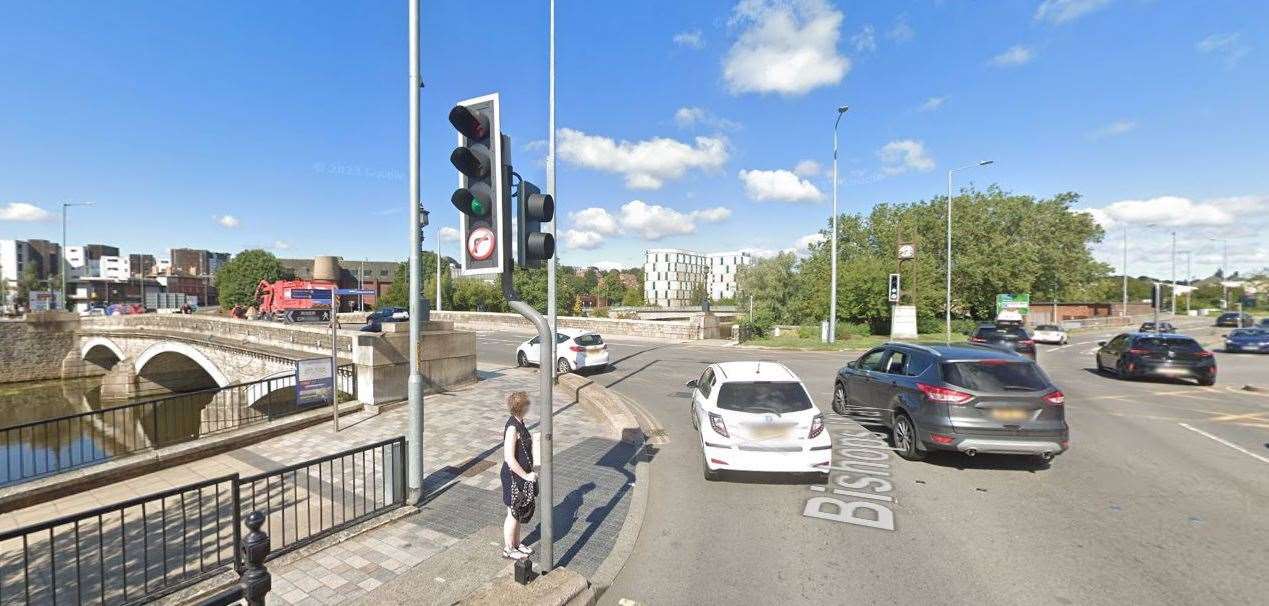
(52, 446)
(145, 548)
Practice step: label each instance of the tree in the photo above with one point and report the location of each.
(4, 291)
(611, 288)
(236, 280)
(398, 294)
(474, 294)
(634, 298)
(772, 284)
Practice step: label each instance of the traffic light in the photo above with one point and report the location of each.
(1154, 296)
(894, 288)
(482, 171)
(534, 208)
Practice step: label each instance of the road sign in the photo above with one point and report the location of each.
(320, 294)
(314, 384)
(354, 291)
(1020, 303)
(480, 245)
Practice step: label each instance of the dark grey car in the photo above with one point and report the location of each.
(962, 398)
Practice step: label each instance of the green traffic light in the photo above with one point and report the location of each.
(477, 207)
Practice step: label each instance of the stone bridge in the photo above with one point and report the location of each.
(154, 354)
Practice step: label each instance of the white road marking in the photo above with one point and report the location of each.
(1225, 442)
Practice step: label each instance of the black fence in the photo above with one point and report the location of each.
(51, 446)
(145, 548)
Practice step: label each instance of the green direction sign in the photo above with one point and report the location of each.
(1020, 303)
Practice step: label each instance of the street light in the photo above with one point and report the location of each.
(832, 295)
(1224, 277)
(947, 310)
(1123, 311)
(63, 266)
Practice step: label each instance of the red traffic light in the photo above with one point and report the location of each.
(473, 125)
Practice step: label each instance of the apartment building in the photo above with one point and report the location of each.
(671, 274)
(16, 256)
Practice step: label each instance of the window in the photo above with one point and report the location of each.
(706, 383)
(871, 360)
(1117, 342)
(995, 376)
(559, 338)
(1180, 344)
(776, 397)
(589, 340)
(897, 363)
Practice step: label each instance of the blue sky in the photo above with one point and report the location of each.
(701, 125)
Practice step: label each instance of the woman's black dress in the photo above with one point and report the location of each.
(512, 482)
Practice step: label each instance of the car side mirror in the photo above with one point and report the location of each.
(1225, 336)
(691, 384)
(852, 364)
(1101, 342)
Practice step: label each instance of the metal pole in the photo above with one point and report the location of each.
(832, 294)
(361, 285)
(1174, 272)
(1123, 311)
(62, 265)
(947, 309)
(1189, 282)
(334, 362)
(438, 269)
(1225, 278)
(552, 310)
(414, 464)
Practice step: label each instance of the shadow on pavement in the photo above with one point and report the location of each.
(771, 479)
(1155, 380)
(987, 461)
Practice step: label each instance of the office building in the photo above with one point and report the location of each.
(722, 273)
(141, 264)
(196, 262)
(671, 275)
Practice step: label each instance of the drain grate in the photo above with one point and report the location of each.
(474, 469)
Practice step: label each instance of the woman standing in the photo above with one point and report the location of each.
(519, 482)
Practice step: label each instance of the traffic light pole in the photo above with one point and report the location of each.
(414, 385)
(546, 364)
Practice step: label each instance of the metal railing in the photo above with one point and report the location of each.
(52, 446)
(133, 551)
(149, 547)
(310, 500)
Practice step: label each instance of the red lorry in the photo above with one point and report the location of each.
(278, 304)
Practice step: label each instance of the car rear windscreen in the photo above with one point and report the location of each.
(1249, 332)
(1003, 334)
(589, 340)
(995, 375)
(1181, 344)
(1047, 327)
(763, 396)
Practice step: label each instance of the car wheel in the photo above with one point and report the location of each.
(562, 367)
(839, 399)
(1208, 380)
(711, 475)
(521, 359)
(905, 439)
(1121, 371)
(1100, 367)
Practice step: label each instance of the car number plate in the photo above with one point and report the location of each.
(1010, 414)
(1173, 371)
(766, 432)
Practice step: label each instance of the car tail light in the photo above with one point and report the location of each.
(817, 426)
(1056, 398)
(1139, 352)
(576, 348)
(943, 395)
(1204, 354)
(977, 340)
(716, 422)
(939, 438)
(717, 461)
(1027, 342)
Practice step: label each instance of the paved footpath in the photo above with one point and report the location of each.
(594, 478)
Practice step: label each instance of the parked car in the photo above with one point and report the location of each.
(1132, 355)
(1235, 319)
(1162, 327)
(574, 350)
(1007, 338)
(1049, 333)
(1263, 323)
(757, 416)
(388, 314)
(1255, 340)
(954, 397)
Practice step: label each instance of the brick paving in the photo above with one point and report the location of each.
(463, 432)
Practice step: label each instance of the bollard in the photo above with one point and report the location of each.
(255, 581)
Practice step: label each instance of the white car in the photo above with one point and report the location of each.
(574, 350)
(1049, 333)
(757, 416)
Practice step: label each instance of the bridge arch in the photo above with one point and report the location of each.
(101, 351)
(173, 349)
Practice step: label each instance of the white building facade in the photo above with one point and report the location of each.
(671, 274)
(14, 255)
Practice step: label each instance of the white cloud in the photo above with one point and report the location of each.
(687, 117)
(904, 155)
(228, 221)
(1176, 211)
(932, 104)
(448, 234)
(1016, 55)
(690, 39)
(712, 215)
(590, 227)
(1058, 12)
(281, 245)
(787, 47)
(901, 32)
(610, 265)
(808, 168)
(761, 253)
(645, 164)
(865, 41)
(779, 186)
(1229, 45)
(21, 211)
(535, 145)
(582, 239)
(1114, 129)
(594, 219)
(802, 247)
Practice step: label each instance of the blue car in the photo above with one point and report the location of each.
(1254, 340)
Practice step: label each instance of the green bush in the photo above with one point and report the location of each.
(809, 331)
(601, 312)
(854, 329)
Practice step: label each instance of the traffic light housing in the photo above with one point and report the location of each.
(893, 290)
(533, 246)
(482, 174)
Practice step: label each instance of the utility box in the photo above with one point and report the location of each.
(903, 322)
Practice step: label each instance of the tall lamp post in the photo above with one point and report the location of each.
(832, 294)
(1224, 276)
(1174, 272)
(1123, 311)
(947, 309)
(63, 266)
